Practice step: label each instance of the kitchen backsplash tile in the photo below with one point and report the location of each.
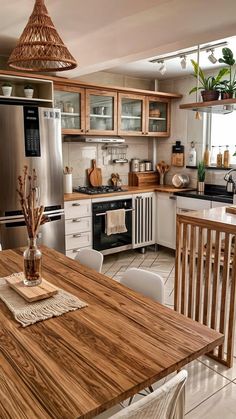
(80, 155)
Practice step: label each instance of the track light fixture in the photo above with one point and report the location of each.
(212, 57)
(162, 68)
(183, 61)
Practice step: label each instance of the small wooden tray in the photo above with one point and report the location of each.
(31, 294)
(231, 210)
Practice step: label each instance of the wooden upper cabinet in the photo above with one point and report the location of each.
(157, 116)
(131, 114)
(101, 112)
(71, 102)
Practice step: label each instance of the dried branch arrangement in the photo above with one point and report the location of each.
(33, 214)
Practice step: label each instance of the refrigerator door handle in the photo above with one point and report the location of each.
(56, 212)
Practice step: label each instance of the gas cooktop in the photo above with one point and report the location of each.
(98, 189)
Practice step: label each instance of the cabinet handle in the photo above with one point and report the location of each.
(76, 220)
(87, 130)
(76, 204)
(76, 235)
(75, 250)
(143, 132)
(82, 130)
(172, 197)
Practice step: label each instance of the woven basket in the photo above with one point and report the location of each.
(40, 48)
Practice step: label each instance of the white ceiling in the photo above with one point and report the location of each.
(110, 34)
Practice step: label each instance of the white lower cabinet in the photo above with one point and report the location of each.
(143, 223)
(78, 226)
(166, 219)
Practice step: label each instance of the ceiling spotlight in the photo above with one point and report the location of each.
(211, 57)
(183, 62)
(162, 68)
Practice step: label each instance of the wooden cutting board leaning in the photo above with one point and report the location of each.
(95, 175)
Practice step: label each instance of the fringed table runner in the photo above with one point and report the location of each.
(29, 313)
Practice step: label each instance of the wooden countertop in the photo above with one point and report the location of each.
(83, 362)
(212, 217)
(129, 190)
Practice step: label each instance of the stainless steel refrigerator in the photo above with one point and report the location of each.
(31, 136)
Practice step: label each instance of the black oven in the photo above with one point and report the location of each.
(114, 242)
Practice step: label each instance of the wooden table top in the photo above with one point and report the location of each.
(83, 362)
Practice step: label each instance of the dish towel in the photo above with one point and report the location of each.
(29, 313)
(115, 222)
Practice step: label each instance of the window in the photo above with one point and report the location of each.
(222, 132)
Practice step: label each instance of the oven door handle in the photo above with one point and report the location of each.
(104, 213)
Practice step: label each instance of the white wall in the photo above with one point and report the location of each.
(79, 156)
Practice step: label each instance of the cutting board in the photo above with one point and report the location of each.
(95, 175)
(30, 294)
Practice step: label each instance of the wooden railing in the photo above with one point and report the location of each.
(205, 274)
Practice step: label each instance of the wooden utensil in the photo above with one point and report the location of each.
(95, 175)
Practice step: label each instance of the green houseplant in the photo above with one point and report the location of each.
(228, 87)
(6, 88)
(201, 173)
(29, 91)
(210, 85)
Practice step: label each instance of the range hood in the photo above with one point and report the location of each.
(215, 106)
(93, 139)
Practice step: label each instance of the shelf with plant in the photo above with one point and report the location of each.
(210, 86)
(228, 87)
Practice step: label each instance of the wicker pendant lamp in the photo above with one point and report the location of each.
(40, 48)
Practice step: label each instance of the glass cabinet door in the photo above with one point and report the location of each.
(101, 111)
(71, 105)
(131, 114)
(158, 116)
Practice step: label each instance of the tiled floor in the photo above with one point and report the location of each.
(211, 387)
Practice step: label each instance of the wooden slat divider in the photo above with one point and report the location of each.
(191, 271)
(178, 265)
(184, 269)
(232, 313)
(208, 268)
(224, 290)
(199, 280)
(215, 285)
(205, 282)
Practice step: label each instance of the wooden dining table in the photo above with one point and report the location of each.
(86, 361)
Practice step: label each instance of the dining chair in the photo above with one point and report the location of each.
(147, 283)
(91, 258)
(166, 402)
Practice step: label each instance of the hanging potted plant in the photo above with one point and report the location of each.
(210, 85)
(201, 172)
(228, 87)
(29, 91)
(7, 88)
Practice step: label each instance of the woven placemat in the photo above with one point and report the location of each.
(29, 313)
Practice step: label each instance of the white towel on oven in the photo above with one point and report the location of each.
(115, 222)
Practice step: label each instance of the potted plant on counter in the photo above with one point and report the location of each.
(7, 88)
(29, 91)
(228, 87)
(201, 173)
(210, 85)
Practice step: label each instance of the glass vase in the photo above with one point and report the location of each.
(32, 264)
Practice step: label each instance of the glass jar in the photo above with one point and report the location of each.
(32, 264)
